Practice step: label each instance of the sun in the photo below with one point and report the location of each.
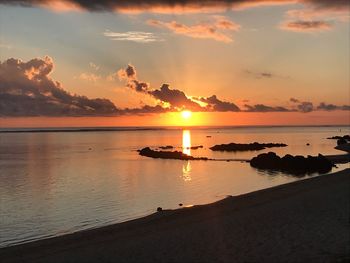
(186, 114)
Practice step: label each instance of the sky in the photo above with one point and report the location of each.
(143, 62)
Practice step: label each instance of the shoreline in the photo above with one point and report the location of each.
(170, 230)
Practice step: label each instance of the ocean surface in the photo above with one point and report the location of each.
(55, 182)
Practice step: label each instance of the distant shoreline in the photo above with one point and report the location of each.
(151, 128)
(306, 220)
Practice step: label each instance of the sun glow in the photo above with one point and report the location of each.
(186, 114)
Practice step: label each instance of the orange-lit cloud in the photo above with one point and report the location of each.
(217, 30)
(171, 6)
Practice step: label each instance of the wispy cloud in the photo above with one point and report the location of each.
(217, 30)
(263, 74)
(307, 26)
(94, 66)
(134, 36)
(89, 77)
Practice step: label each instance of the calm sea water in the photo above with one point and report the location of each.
(54, 183)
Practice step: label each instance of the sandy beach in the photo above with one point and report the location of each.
(304, 221)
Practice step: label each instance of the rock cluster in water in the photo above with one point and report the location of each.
(341, 139)
(292, 164)
(233, 147)
(148, 152)
(345, 137)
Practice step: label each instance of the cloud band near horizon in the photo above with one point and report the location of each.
(27, 89)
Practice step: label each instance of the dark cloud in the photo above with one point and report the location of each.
(265, 108)
(332, 107)
(147, 109)
(129, 74)
(262, 74)
(294, 100)
(214, 104)
(27, 90)
(305, 107)
(176, 98)
(169, 6)
(307, 26)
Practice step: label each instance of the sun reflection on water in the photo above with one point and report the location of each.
(186, 171)
(186, 149)
(186, 142)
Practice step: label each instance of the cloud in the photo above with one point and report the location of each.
(89, 77)
(172, 6)
(265, 108)
(176, 98)
(305, 107)
(134, 36)
(147, 109)
(307, 26)
(94, 66)
(331, 107)
(216, 30)
(28, 90)
(214, 104)
(262, 74)
(130, 76)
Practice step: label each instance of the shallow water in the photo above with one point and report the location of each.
(60, 182)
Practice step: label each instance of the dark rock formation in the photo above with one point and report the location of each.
(292, 164)
(195, 147)
(148, 152)
(345, 137)
(168, 147)
(341, 141)
(233, 147)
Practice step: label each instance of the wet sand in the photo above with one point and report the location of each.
(304, 221)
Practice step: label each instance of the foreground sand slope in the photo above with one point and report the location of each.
(305, 221)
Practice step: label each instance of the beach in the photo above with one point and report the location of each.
(303, 221)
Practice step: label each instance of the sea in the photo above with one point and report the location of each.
(56, 181)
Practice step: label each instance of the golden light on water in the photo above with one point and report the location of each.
(186, 142)
(186, 149)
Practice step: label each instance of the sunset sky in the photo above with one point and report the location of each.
(142, 62)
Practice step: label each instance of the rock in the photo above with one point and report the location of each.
(292, 164)
(233, 147)
(196, 147)
(345, 137)
(148, 152)
(208, 136)
(180, 204)
(166, 147)
(159, 209)
(308, 144)
(341, 141)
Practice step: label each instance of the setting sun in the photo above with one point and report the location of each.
(186, 114)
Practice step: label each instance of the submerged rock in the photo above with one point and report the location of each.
(233, 147)
(292, 164)
(148, 152)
